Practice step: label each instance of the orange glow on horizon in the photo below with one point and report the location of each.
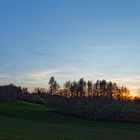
(133, 93)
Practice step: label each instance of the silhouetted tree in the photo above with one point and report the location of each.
(53, 85)
(89, 88)
(81, 86)
(125, 93)
(96, 89)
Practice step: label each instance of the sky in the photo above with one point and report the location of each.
(69, 39)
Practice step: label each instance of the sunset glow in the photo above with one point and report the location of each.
(91, 40)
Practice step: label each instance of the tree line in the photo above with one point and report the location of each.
(82, 88)
(101, 100)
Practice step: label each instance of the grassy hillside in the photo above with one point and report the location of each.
(27, 121)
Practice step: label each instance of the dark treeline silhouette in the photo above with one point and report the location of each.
(101, 100)
(12, 93)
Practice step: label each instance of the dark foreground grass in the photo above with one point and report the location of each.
(27, 121)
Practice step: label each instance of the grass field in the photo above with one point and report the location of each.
(27, 121)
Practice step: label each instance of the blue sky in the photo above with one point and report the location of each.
(69, 39)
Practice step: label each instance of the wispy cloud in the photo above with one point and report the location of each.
(42, 74)
(41, 78)
(4, 77)
(32, 78)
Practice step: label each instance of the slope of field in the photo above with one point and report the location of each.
(27, 121)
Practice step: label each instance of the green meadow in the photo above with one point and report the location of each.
(28, 121)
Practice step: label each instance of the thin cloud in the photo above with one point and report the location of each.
(29, 78)
(44, 73)
(4, 77)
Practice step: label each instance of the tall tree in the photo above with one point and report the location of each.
(103, 87)
(110, 89)
(125, 93)
(89, 88)
(67, 88)
(96, 89)
(53, 85)
(81, 87)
